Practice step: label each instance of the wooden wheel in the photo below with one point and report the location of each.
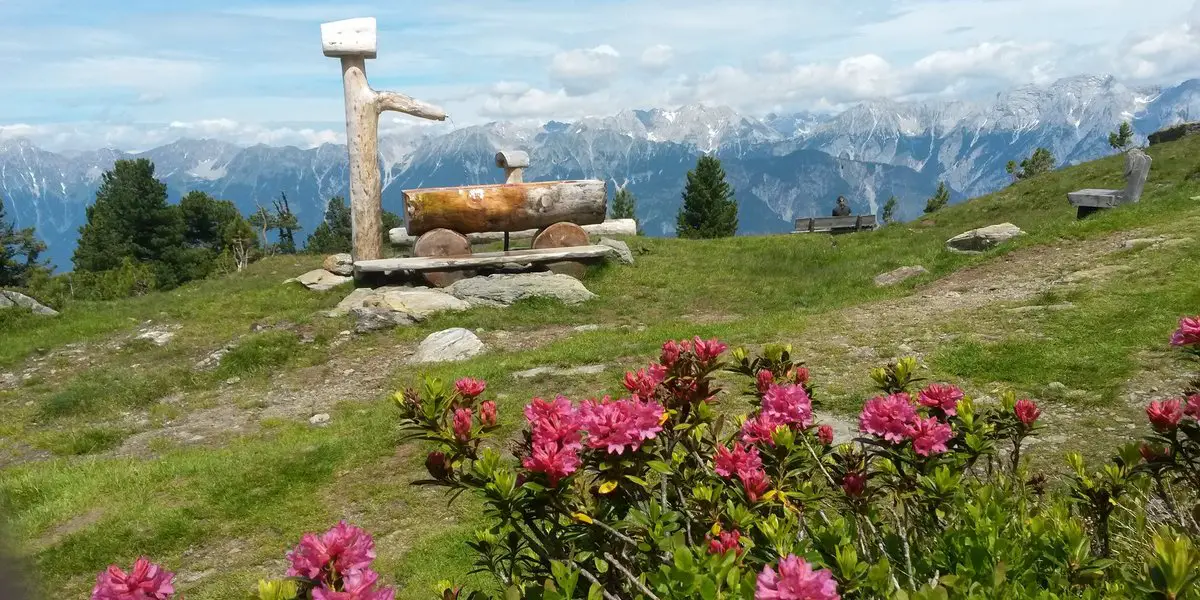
(563, 235)
(443, 242)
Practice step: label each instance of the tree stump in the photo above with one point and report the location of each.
(443, 242)
(563, 235)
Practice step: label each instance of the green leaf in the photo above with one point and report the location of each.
(660, 466)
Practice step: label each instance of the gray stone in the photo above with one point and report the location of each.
(369, 318)
(157, 335)
(319, 419)
(320, 280)
(211, 361)
(581, 370)
(894, 277)
(448, 345)
(503, 290)
(624, 256)
(11, 299)
(585, 328)
(415, 303)
(339, 264)
(984, 238)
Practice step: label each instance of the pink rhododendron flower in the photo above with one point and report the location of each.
(825, 434)
(891, 418)
(707, 351)
(1193, 406)
(470, 388)
(1152, 453)
(796, 580)
(930, 436)
(944, 397)
(340, 550)
(726, 541)
(145, 581)
(765, 378)
(755, 482)
(645, 382)
(1027, 412)
(1188, 333)
(1165, 415)
(758, 429)
(671, 351)
(357, 585)
(854, 484)
(462, 424)
(555, 421)
(788, 405)
(487, 413)
(728, 462)
(553, 459)
(800, 375)
(621, 424)
(438, 465)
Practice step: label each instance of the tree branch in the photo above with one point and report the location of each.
(629, 575)
(395, 101)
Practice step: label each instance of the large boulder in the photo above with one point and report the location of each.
(448, 345)
(623, 254)
(416, 303)
(356, 299)
(320, 280)
(894, 277)
(368, 319)
(503, 290)
(11, 299)
(339, 264)
(984, 238)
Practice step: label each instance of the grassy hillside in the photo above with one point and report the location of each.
(113, 446)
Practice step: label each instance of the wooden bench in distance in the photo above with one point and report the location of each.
(399, 236)
(835, 224)
(1137, 169)
(483, 259)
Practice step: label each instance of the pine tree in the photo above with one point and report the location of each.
(889, 210)
(939, 200)
(286, 224)
(333, 235)
(131, 219)
(1041, 161)
(709, 209)
(624, 204)
(1122, 138)
(19, 253)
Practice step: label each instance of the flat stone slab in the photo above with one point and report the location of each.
(503, 290)
(417, 303)
(483, 259)
(539, 371)
(339, 264)
(894, 277)
(984, 238)
(354, 300)
(448, 345)
(320, 280)
(624, 255)
(11, 299)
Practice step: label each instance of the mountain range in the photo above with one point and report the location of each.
(782, 166)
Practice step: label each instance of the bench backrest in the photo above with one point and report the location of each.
(816, 224)
(1137, 169)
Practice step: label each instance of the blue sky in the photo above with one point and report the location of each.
(137, 73)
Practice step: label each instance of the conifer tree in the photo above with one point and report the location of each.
(889, 210)
(1122, 138)
(709, 209)
(19, 253)
(1041, 161)
(939, 200)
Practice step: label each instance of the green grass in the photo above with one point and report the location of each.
(230, 509)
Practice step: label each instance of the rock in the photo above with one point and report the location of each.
(11, 299)
(339, 264)
(448, 345)
(415, 303)
(503, 290)
(320, 280)
(984, 238)
(624, 256)
(214, 359)
(582, 370)
(368, 319)
(233, 381)
(354, 300)
(894, 277)
(159, 336)
(1138, 242)
(585, 328)
(319, 419)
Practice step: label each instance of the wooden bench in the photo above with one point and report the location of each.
(1137, 169)
(835, 224)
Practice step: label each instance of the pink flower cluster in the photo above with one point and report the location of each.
(1027, 412)
(941, 397)
(617, 425)
(795, 580)
(895, 419)
(644, 383)
(786, 405)
(339, 561)
(746, 465)
(470, 388)
(554, 427)
(724, 542)
(705, 351)
(1165, 415)
(1188, 333)
(145, 581)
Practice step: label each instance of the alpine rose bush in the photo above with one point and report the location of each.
(145, 581)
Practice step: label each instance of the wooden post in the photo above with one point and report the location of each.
(354, 41)
(513, 163)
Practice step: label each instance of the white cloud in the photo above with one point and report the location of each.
(143, 136)
(143, 74)
(585, 71)
(657, 58)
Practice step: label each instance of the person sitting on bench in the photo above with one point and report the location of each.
(841, 210)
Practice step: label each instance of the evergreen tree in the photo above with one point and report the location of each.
(939, 200)
(333, 235)
(208, 226)
(19, 253)
(624, 205)
(262, 221)
(709, 209)
(286, 224)
(1122, 138)
(131, 219)
(889, 210)
(1041, 161)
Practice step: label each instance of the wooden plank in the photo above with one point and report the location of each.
(399, 236)
(505, 207)
(485, 259)
(804, 224)
(832, 223)
(1096, 198)
(867, 221)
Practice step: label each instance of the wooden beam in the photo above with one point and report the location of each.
(505, 207)
(1096, 198)
(486, 259)
(399, 236)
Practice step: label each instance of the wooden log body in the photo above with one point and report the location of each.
(505, 207)
(563, 235)
(399, 235)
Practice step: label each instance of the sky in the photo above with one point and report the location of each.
(133, 74)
